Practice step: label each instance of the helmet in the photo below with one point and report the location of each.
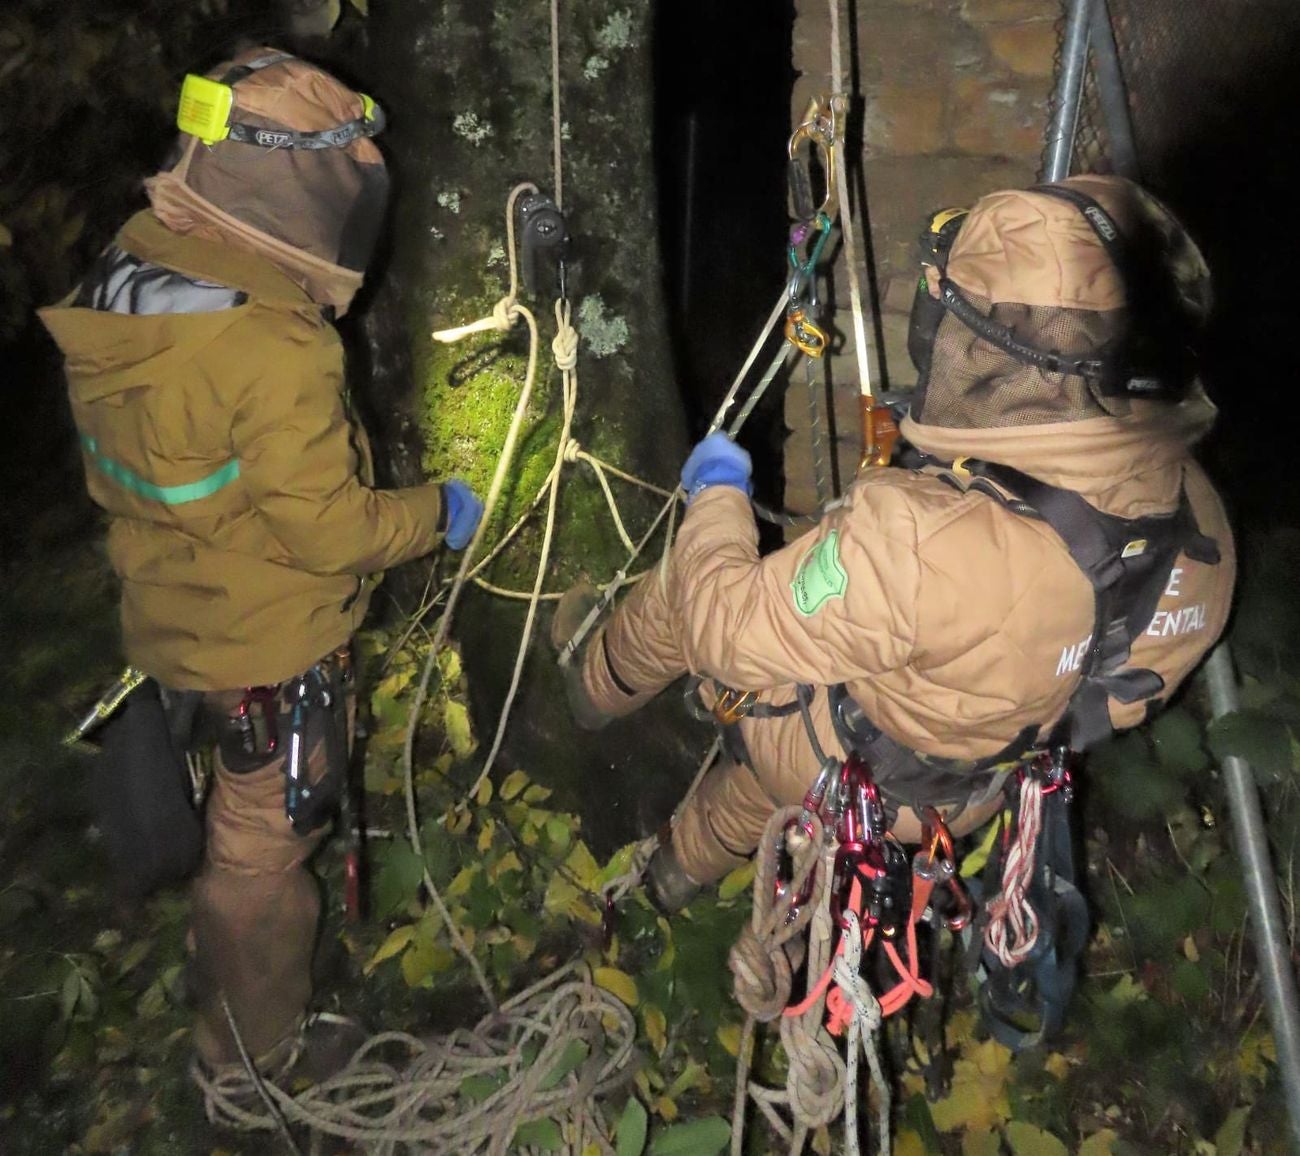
(1055, 303)
(275, 156)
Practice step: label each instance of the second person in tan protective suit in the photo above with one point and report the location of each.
(944, 621)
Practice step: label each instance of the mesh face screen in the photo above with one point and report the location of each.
(975, 385)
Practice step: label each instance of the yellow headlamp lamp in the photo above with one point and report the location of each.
(206, 106)
(205, 109)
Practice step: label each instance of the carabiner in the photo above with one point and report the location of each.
(804, 333)
(732, 705)
(936, 863)
(818, 129)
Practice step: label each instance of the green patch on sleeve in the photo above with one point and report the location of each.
(820, 576)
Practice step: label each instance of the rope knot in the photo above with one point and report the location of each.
(504, 313)
(762, 976)
(565, 345)
(571, 450)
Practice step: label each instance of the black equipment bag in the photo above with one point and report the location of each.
(141, 793)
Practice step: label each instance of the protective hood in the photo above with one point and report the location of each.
(1042, 268)
(315, 213)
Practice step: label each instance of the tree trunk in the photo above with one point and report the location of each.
(468, 90)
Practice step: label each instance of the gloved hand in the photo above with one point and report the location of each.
(716, 461)
(463, 513)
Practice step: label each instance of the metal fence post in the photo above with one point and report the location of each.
(1111, 94)
(1277, 978)
(1263, 903)
(1069, 90)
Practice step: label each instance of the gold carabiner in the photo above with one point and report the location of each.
(818, 128)
(804, 333)
(732, 705)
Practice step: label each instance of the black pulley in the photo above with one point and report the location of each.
(544, 242)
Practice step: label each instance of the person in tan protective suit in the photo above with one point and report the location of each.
(939, 625)
(207, 386)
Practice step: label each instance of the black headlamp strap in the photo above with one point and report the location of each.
(1100, 221)
(371, 124)
(1091, 369)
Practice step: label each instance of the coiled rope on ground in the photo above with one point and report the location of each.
(400, 1093)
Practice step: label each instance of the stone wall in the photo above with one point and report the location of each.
(954, 96)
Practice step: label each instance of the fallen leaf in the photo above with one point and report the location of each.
(396, 941)
(618, 983)
(1027, 1140)
(515, 782)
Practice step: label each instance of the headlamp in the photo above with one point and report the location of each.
(206, 106)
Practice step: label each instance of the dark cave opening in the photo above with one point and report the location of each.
(722, 122)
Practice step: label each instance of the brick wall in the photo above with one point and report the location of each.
(955, 99)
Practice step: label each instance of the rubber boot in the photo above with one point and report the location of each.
(570, 613)
(667, 886)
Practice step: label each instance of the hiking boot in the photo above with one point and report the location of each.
(570, 613)
(667, 886)
(322, 1047)
(327, 1042)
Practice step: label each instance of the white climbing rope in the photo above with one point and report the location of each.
(820, 1086)
(548, 1053)
(846, 217)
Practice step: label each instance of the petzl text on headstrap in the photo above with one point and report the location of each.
(207, 105)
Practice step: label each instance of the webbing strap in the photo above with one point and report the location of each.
(169, 495)
(1127, 562)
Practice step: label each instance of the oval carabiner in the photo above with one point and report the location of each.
(818, 130)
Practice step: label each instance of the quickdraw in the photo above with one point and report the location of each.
(801, 330)
(876, 892)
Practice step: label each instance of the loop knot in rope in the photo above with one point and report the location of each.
(758, 960)
(565, 343)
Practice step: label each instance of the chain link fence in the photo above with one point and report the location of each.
(1184, 65)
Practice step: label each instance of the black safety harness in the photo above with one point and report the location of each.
(1127, 561)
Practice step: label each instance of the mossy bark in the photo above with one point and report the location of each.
(468, 87)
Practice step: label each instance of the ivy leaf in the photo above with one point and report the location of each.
(544, 1134)
(617, 983)
(515, 782)
(575, 1051)
(631, 1131)
(1099, 1143)
(480, 1086)
(981, 1143)
(705, 1137)
(397, 939)
(1231, 1136)
(398, 878)
(1177, 738)
(1264, 742)
(656, 1028)
(1028, 1140)
(456, 726)
(736, 881)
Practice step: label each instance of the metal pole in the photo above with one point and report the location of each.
(1069, 90)
(1111, 94)
(1277, 977)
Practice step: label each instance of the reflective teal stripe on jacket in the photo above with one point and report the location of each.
(171, 495)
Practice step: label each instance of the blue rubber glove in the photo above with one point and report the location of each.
(716, 461)
(463, 512)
